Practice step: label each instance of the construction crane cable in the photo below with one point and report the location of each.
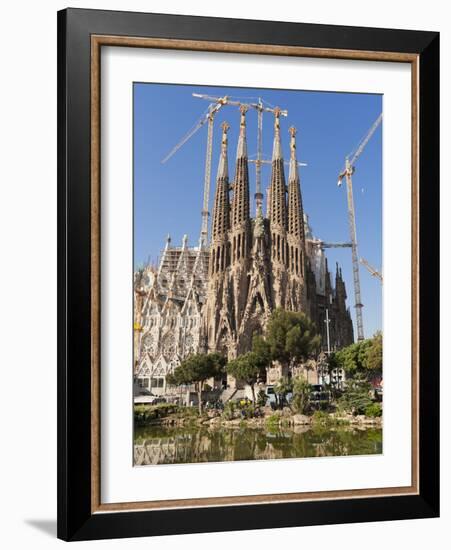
(188, 135)
(361, 146)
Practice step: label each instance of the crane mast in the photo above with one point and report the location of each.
(355, 258)
(207, 179)
(347, 174)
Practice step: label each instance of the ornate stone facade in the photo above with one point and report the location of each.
(168, 312)
(216, 299)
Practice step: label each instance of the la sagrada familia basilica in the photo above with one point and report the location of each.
(216, 296)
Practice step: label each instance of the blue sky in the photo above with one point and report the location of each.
(168, 197)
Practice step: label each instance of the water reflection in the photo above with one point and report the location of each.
(163, 445)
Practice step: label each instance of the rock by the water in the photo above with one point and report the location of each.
(301, 420)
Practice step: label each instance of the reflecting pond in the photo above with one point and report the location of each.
(169, 445)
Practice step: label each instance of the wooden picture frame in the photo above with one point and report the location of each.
(81, 35)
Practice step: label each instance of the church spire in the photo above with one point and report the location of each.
(223, 165)
(293, 175)
(240, 206)
(277, 201)
(241, 151)
(221, 222)
(278, 206)
(295, 209)
(340, 288)
(277, 149)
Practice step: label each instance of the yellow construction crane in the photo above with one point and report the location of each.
(372, 270)
(347, 173)
(322, 244)
(216, 103)
(208, 117)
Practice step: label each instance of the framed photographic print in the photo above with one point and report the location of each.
(248, 274)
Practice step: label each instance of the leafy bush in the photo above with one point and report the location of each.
(356, 397)
(323, 420)
(374, 410)
(301, 395)
(247, 409)
(261, 398)
(141, 414)
(188, 412)
(145, 413)
(272, 422)
(320, 417)
(229, 410)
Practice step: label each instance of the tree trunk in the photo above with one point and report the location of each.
(253, 393)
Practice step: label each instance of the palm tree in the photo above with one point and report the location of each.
(282, 388)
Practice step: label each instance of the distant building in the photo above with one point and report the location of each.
(216, 298)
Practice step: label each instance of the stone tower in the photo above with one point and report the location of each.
(218, 322)
(239, 295)
(240, 235)
(296, 299)
(278, 218)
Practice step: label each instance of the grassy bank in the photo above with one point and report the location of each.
(233, 415)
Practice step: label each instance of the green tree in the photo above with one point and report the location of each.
(248, 368)
(374, 355)
(362, 358)
(291, 337)
(301, 394)
(261, 346)
(197, 369)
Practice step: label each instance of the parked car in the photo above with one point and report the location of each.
(277, 401)
(271, 397)
(319, 395)
(138, 390)
(149, 399)
(158, 399)
(214, 405)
